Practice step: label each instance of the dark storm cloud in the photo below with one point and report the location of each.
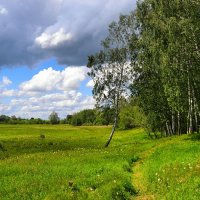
(33, 30)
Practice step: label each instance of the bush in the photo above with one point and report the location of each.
(42, 136)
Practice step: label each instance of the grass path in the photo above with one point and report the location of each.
(138, 178)
(169, 169)
(139, 181)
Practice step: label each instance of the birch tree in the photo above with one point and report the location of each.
(111, 69)
(168, 78)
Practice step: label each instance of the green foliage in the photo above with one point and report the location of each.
(111, 69)
(76, 120)
(89, 117)
(105, 116)
(53, 118)
(84, 117)
(18, 120)
(131, 116)
(167, 68)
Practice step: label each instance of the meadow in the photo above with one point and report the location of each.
(65, 162)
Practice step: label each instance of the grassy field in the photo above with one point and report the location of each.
(64, 162)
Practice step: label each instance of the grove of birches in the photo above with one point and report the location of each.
(151, 58)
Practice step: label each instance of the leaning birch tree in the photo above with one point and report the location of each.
(111, 68)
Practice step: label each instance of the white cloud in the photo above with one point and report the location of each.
(8, 93)
(90, 84)
(50, 79)
(3, 11)
(64, 103)
(6, 81)
(47, 91)
(4, 108)
(48, 40)
(3, 83)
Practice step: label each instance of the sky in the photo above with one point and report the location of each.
(44, 47)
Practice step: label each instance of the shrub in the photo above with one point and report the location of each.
(42, 136)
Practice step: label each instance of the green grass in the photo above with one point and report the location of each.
(36, 168)
(172, 170)
(72, 163)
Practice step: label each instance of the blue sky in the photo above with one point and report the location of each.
(11, 88)
(43, 53)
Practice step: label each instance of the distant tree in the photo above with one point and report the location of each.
(69, 119)
(105, 116)
(76, 120)
(63, 121)
(53, 118)
(13, 117)
(84, 117)
(4, 119)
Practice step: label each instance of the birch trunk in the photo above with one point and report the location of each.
(112, 132)
(116, 108)
(178, 124)
(190, 127)
(173, 123)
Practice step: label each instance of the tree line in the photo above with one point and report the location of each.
(130, 117)
(4, 119)
(153, 55)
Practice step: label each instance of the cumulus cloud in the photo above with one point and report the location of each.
(50, 80)
(32, 31)
(48, 40)
(42, 106)
(4, 92)
(6, 81)
(4, 108)
(8, 93)
(47, 91)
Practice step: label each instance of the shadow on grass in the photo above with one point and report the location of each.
(193, 137)
(19, 147)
